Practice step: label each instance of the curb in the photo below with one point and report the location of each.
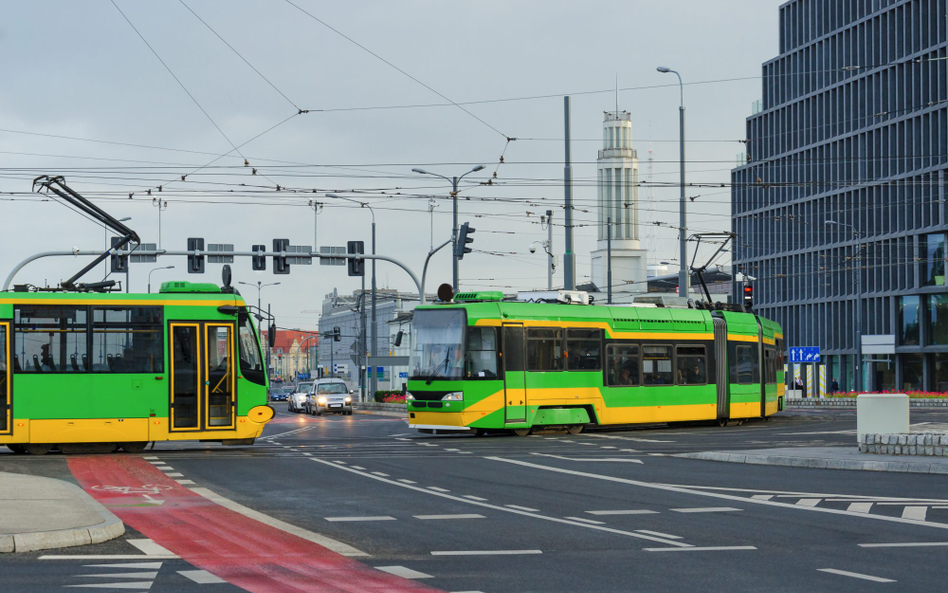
(381, 413)
(111, 527)
(820, 462)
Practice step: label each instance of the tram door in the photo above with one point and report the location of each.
(6, 421)
(721, 368)
(515, 376)
(202, 376)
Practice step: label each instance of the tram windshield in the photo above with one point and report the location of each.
(443, 347)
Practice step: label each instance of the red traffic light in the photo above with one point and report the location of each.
(748, 289)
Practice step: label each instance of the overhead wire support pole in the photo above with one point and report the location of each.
(569, 271)
(684, 278)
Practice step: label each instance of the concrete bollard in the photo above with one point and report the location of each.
(882, 413)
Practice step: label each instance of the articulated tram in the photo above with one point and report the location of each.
(96, 371)
(481, 363)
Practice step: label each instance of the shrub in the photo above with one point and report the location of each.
(389, 397)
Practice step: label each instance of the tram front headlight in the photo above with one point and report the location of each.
(454, 396)
(409, 397)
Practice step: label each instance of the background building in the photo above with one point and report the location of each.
(293, 352)
(853, 129)
(618, 178)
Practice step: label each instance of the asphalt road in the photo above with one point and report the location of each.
(602, 511)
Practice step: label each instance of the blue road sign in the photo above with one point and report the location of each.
(805, 354)
(402, 375)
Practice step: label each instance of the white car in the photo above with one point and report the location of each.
(296, 402)
(329, 395)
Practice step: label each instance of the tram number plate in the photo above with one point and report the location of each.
(335, 405)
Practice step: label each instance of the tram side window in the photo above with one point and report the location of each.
(50, 339)
(747, 365)
(583, 349)
(622, 365)
(481, 353)
(657, 365)
(770, 365)
(692, 365)
(127, 340)
(544, 349)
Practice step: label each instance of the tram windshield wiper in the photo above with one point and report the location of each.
(444, 363)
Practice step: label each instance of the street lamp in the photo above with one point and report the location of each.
(684, 277)
(858, 248)
(260, 286)
(374, 325)
(153, 270)
(454, 229)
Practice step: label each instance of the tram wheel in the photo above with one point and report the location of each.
(17, 449)
(575, 428)
(38, 448)
(521, 432)
(479, 432)
(137, 447)
(741, 422)
(722, 422)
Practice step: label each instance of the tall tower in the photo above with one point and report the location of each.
(618, 168)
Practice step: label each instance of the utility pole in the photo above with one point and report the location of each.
(569, 272)
(375, 328)
(609, 260)
(549, 249)
(684, 276)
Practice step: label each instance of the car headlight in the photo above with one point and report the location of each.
(348, 400)
(454, 396)
(409, 397)
(322, 401)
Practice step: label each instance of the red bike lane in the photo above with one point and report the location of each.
(240, 550)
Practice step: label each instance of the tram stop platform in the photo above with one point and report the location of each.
(840, 457)
(38, 513)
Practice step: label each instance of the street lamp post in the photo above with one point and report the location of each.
(684, 277)
(374, 323)
(858, 270)
(454, 229)
(154, 270)
(260, 286)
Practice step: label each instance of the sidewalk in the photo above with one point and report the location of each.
(41, 513)
(828, 458)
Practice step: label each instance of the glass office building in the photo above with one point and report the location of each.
(845, 176)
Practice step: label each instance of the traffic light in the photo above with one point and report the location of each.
(356, 266)
(280, 265)
(195, 262)
(463, 240)
(119, 256)
(259, 261)
(748, 296)
(335, 334)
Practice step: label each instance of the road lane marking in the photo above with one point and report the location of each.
(375, 518)
(624, 512)
(339, 462)
(808, 502)
(358, 467)
(185, 482)
(587, 444)
(703, 491)
(608, 447)
(380, 474)
(707, 510)
(150, 548)
(453, 450)
(119, 575)
(139, 585)
(855, 575)
(590, 521)
(294, 431)
(150, 457)
(104, 557)
(915, 513)
(701, 549)
(587, 459)
(141, 565)
(472, 497)
(520, 508)
(905, 545)
(326, 542)
(157, 463)
(175, 475)
(659, 534)
(484, 552)
(404, 481)
(201, 577)
(762, 496)
(436, 489)
(861, 507)
(440, 517)
(404, 572)
(533, 513)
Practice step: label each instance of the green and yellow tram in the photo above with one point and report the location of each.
(92, 371)
(484, 363)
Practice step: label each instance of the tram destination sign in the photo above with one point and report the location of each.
(805, 354)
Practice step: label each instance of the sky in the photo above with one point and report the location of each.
(123, 97)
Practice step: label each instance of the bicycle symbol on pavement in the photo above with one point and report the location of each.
(136, 490)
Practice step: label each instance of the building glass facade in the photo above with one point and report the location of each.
(853, 129)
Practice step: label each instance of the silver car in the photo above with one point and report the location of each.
(329, 395)
(296, 402)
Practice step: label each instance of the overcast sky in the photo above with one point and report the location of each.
(83, 96)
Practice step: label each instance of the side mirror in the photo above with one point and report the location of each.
(272, 335)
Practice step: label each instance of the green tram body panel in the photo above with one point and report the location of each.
(566, 397)
(50, 402)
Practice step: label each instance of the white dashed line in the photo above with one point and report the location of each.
(708, 510)
(404, 481)
(520, 508)
(157, 462)
(185, 482)
(762, 496)
(472, 497)
(485, 552)
(700, 549)
(150, 457)
(915, 513)
(453, 450)
(341, 519)
(863, 507)
(658, 533)
(380, 474)
(175, 475)
(808, 502)
(201, 577)
(340, 462)
(448, 517)
(855, 575)
(436, 489)
(624, 512)
(404, 572)
(905, 545)
(590, 521)
(358, 467)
